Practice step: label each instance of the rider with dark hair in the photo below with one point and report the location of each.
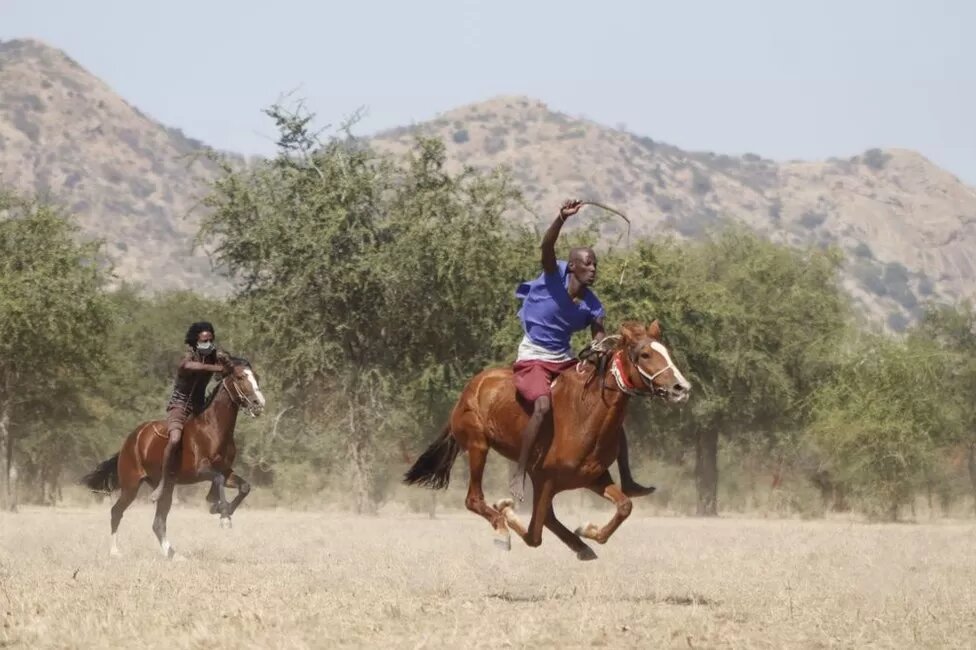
(555, 305)
(199, 364)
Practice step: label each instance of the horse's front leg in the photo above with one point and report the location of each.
(218, 495)
(605, 487)
(243, 489)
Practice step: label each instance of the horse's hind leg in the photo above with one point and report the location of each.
(159, 521)
(605, 487)
(126, 497)
(475, 501)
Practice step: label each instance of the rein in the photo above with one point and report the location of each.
(237, 395)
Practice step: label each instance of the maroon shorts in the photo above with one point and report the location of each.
(533, 378)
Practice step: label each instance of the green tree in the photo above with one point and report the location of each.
(883, 418)
(372, 286)
(54, 317)
(953, 329)
(754, 323)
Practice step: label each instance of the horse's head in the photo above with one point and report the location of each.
(242, 384)
(647, 362)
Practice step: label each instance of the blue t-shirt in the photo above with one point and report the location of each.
(549, 315)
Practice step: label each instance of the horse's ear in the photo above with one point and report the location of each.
(631, 331)
(654, 330)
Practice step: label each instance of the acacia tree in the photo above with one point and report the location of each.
(371, 285)
(54, 317)
(752, 322)
(953, 329)
(883, 418)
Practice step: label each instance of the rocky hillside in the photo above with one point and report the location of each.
(130, 180)
(909, 227)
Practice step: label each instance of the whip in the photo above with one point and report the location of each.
(622, 216)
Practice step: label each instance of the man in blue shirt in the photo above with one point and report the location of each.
(555, 305)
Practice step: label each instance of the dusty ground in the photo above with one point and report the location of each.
(297, 580)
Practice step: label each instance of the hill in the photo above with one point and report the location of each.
(907, 226)
(130, 180)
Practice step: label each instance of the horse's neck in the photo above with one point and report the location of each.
(602, 396)
(603, 409)
(221, 415)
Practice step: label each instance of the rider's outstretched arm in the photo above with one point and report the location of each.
(199, 365)
(552, 234)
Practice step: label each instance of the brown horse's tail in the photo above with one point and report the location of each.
(105, 478)
(433, 468)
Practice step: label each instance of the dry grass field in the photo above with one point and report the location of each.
(302, 580)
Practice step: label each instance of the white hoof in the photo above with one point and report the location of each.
(503, 540)
(114, 552)
(176, 557)
(225, 522)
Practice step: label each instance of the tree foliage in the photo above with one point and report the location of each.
(370, 288)
(54, 316)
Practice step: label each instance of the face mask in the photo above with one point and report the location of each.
(205, 348)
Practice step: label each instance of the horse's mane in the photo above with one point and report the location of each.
(599, 354)
(234, 363)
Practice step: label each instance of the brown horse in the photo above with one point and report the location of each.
(207, 453)
(581, 440)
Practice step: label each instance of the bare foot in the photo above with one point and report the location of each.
(637, 490)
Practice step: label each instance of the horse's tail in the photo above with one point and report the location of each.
(433, 468)
(105, 478)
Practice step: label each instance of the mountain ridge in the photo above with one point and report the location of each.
(907, 227)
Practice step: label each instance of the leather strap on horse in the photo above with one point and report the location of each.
(623, 381)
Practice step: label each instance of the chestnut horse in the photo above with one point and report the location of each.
(581, 439)
(206, 453)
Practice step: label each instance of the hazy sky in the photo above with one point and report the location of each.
(782, 78)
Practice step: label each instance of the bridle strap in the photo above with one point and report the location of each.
(623, 382)
(237, 395)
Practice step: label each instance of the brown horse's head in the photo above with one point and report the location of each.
(242, 383)
(647, 363)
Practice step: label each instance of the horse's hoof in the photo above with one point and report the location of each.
(114, 552)
(503, 543)
(586, 554)
(176, 557)
(214, 508)
(503, 540)
(225, 522)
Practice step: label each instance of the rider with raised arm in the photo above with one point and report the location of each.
(555, 305)
(199, 364)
